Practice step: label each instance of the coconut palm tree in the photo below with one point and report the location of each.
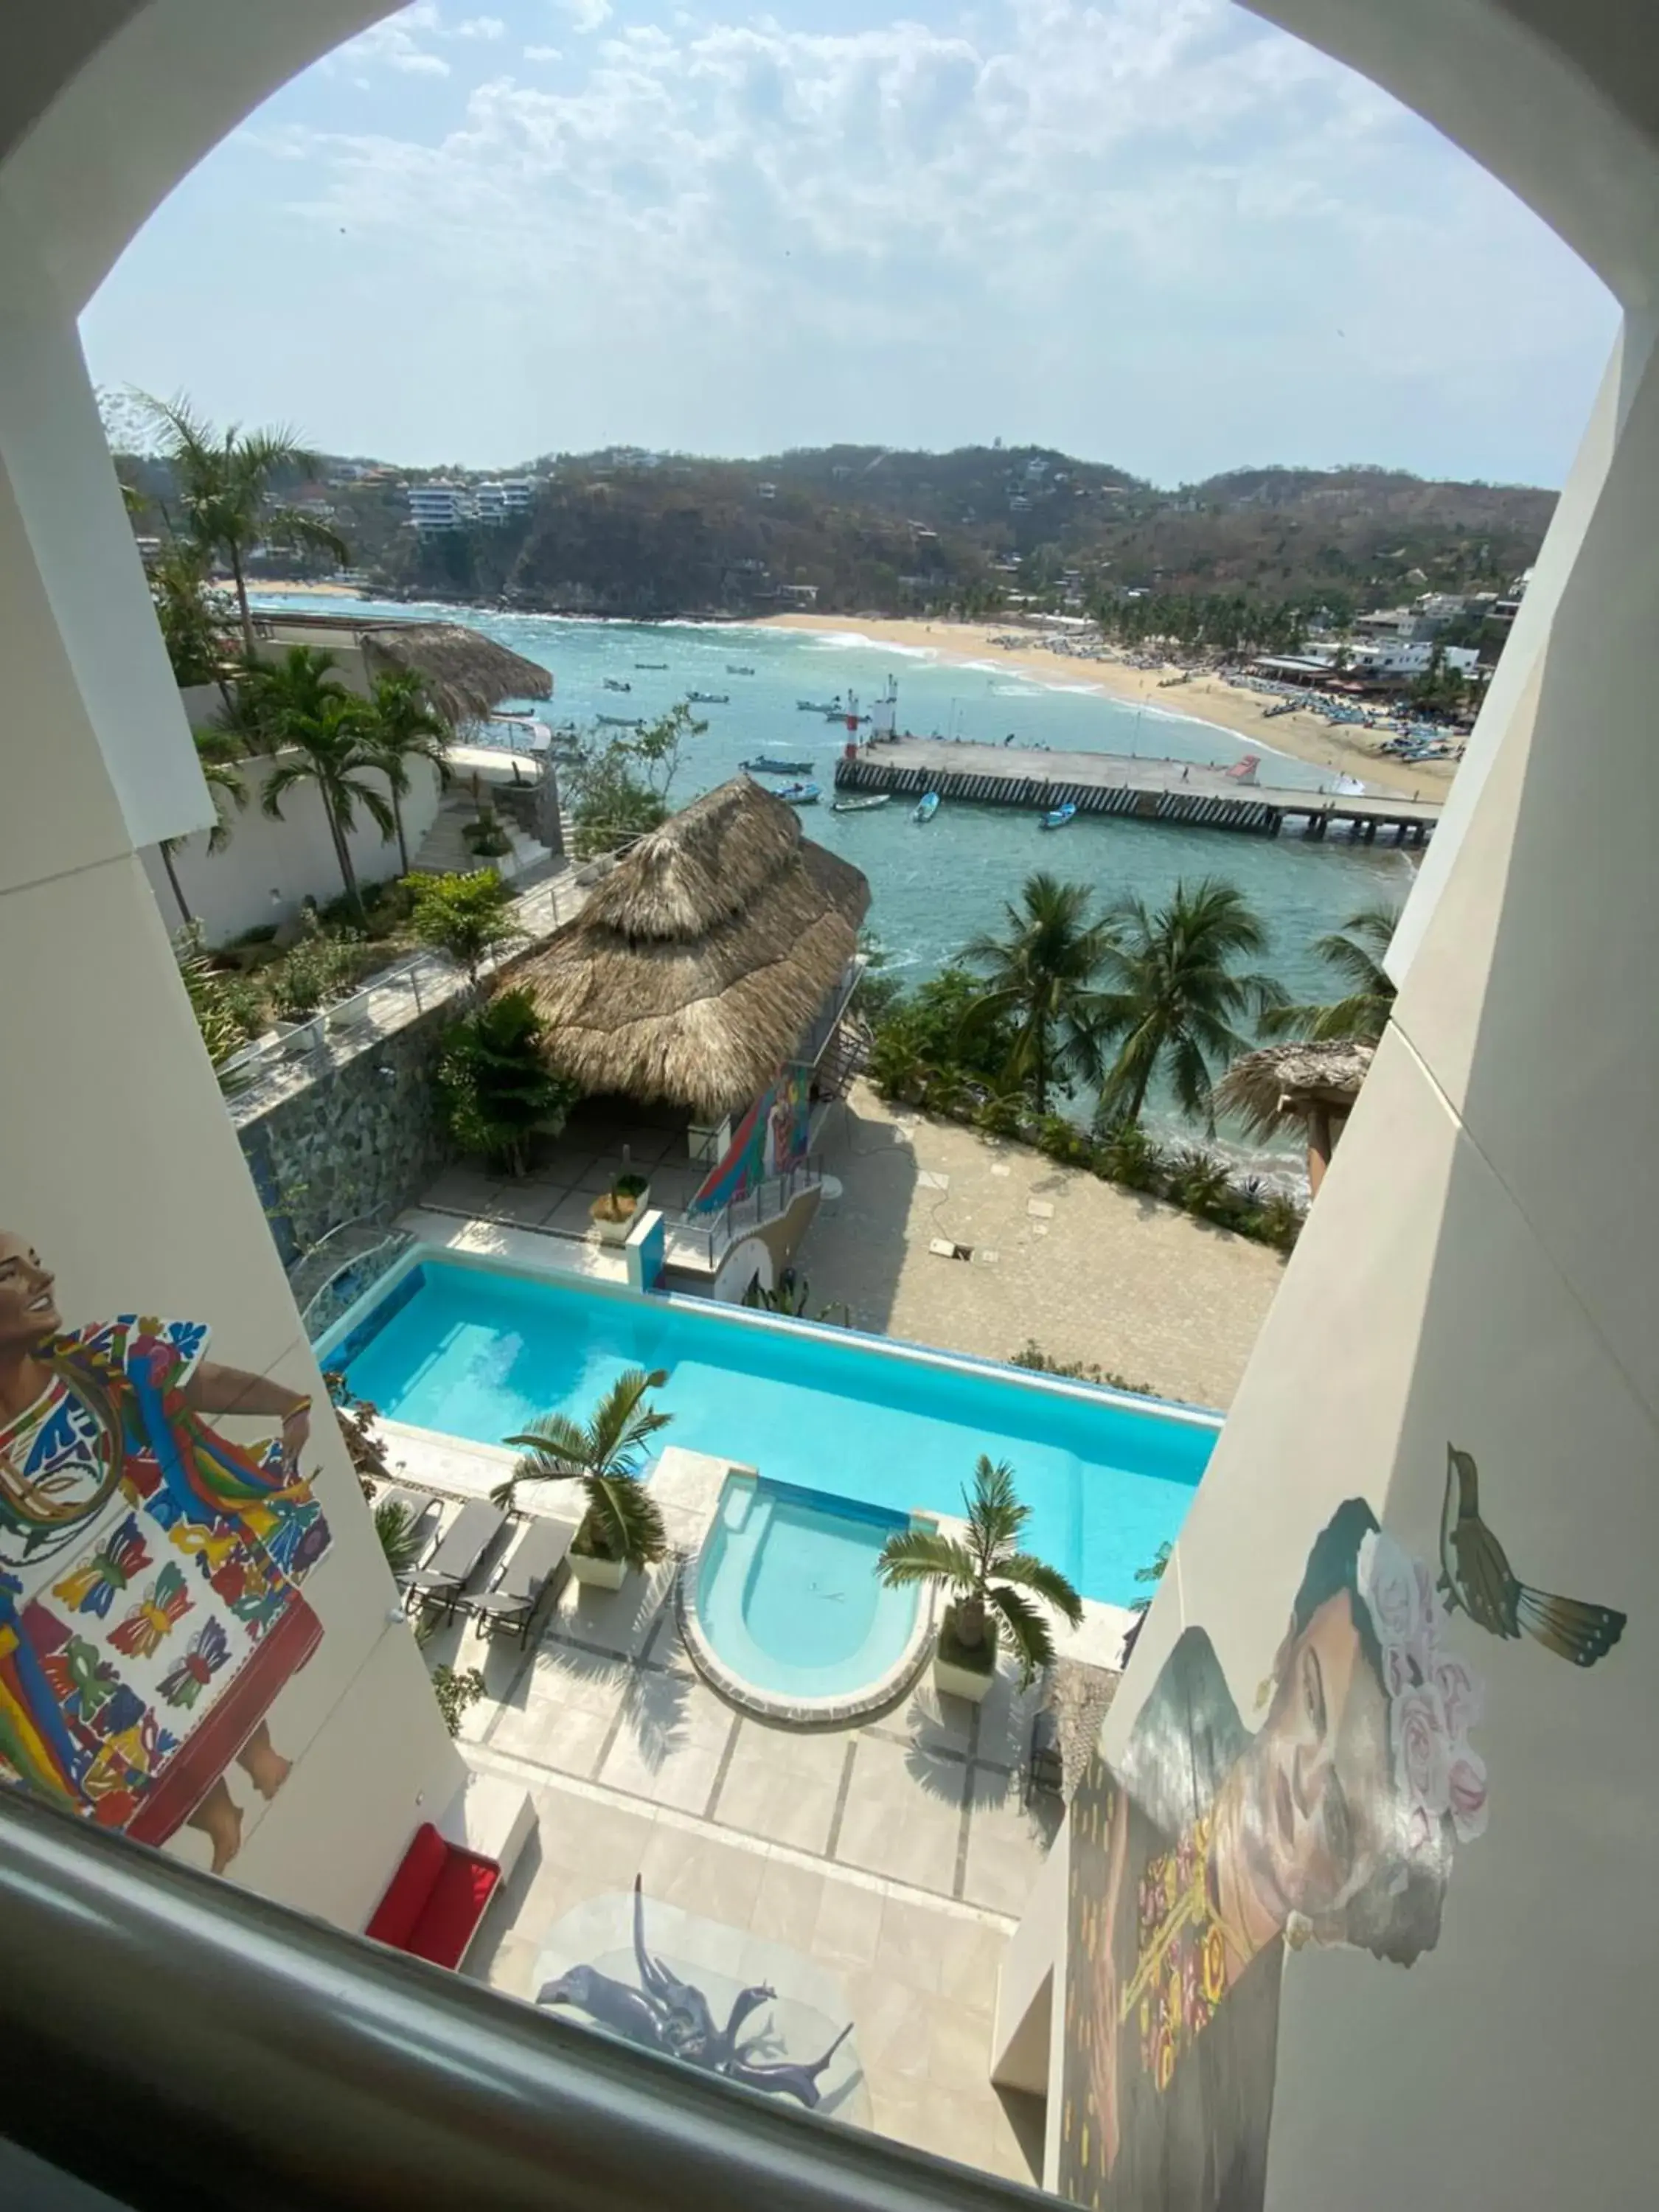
(219, 755)
(622, 1521)
(1041, 976)
(1356, 951)
(298, 710)
(986, 1573)
(402, 724)
(223, 483)
(1175, 997)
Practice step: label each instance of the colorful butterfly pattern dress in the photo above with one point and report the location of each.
(150, 1607)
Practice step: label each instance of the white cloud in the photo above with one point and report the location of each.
(585, 15)
(480, 26)
(395, 44)
(1079, 217)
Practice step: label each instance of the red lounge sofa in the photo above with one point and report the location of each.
(433, 1902)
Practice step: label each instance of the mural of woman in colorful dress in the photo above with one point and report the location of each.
(1207, 1850)
(150, 1607)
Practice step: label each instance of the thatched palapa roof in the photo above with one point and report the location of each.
(1284, 1083)
(465, 673)
(696, 967)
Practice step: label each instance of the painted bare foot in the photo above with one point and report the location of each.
(264, 1767)
(220, 1820)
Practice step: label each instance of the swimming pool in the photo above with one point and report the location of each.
(787, 1597)
(478, 1351)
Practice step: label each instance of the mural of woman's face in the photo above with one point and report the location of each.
(1317, 1790)
(28, 1310)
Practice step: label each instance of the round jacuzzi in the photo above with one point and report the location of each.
(783, 1609)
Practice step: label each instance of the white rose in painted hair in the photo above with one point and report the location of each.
(1422, 1750)
(1387, 1576)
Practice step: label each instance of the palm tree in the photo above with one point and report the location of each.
(622, 1521)
(1176, 999)
(218, 755)
(296, 706)
(1356, 951)
(222, 481)
(402, 724)
(987, 1572)
(1041, 975)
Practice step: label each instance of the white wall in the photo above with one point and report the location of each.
(230, 891)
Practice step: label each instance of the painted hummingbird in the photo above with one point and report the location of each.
(1476, 1579)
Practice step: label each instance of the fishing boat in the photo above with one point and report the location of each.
(764, 764)
(612, 684)
(709, 698)
(859, 805)
(650, 663)
(1058, 817)
(619, 721)
(799, 794)
(732, 669)
(818, 706)
(926, 808)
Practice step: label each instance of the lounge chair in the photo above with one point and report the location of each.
(443, 1577)
(1044, 1767)
(421, 1507)
(538, 1560)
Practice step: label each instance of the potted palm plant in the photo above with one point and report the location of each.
(988, 1577)
(622, 1526)
(614, 1211)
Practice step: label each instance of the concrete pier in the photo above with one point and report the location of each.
(1190, 792)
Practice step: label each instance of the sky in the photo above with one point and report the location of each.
(1155, 232)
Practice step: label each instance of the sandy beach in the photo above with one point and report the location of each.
(1305, 736)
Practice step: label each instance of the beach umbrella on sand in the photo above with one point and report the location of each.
(1310, 1085)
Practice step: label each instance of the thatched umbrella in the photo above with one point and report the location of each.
(465, 673)
(1314, 1085)
(698, 963)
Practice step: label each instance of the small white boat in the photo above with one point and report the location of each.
(732, 669)
(1060, 816)
(709, 698)
(818, 706)
(859, 805)
(799, 794)
(613, 684)
(926, 808)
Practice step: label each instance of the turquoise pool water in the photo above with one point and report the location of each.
(787, 1592)
(480, 1354)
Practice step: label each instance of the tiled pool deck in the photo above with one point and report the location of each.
(894, 1855)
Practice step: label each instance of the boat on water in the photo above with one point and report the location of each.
(620, 722)
(818, 706)
(764, 764)
(614, 684)
(799, 794)
(859, 805)
(650, 663)
(709, 698)
(732, 669)
(926, 808)
(1058, 817)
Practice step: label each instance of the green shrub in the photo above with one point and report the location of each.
(467, 916)
(1001, 1115)
(1039, 1362)
(1198, 1181)
(495, 1091)
(455, 1689)
(1128, 1156)
(1060, 1140)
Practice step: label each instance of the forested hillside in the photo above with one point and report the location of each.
(879, 531)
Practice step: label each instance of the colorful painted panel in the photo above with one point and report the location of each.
(151, 1605)
(1212, 1846)
(771, 1136)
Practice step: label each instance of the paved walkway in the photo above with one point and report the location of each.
(1092, 1273)
(892, 1860)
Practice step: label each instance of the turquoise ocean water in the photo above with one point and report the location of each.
(932, 888)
